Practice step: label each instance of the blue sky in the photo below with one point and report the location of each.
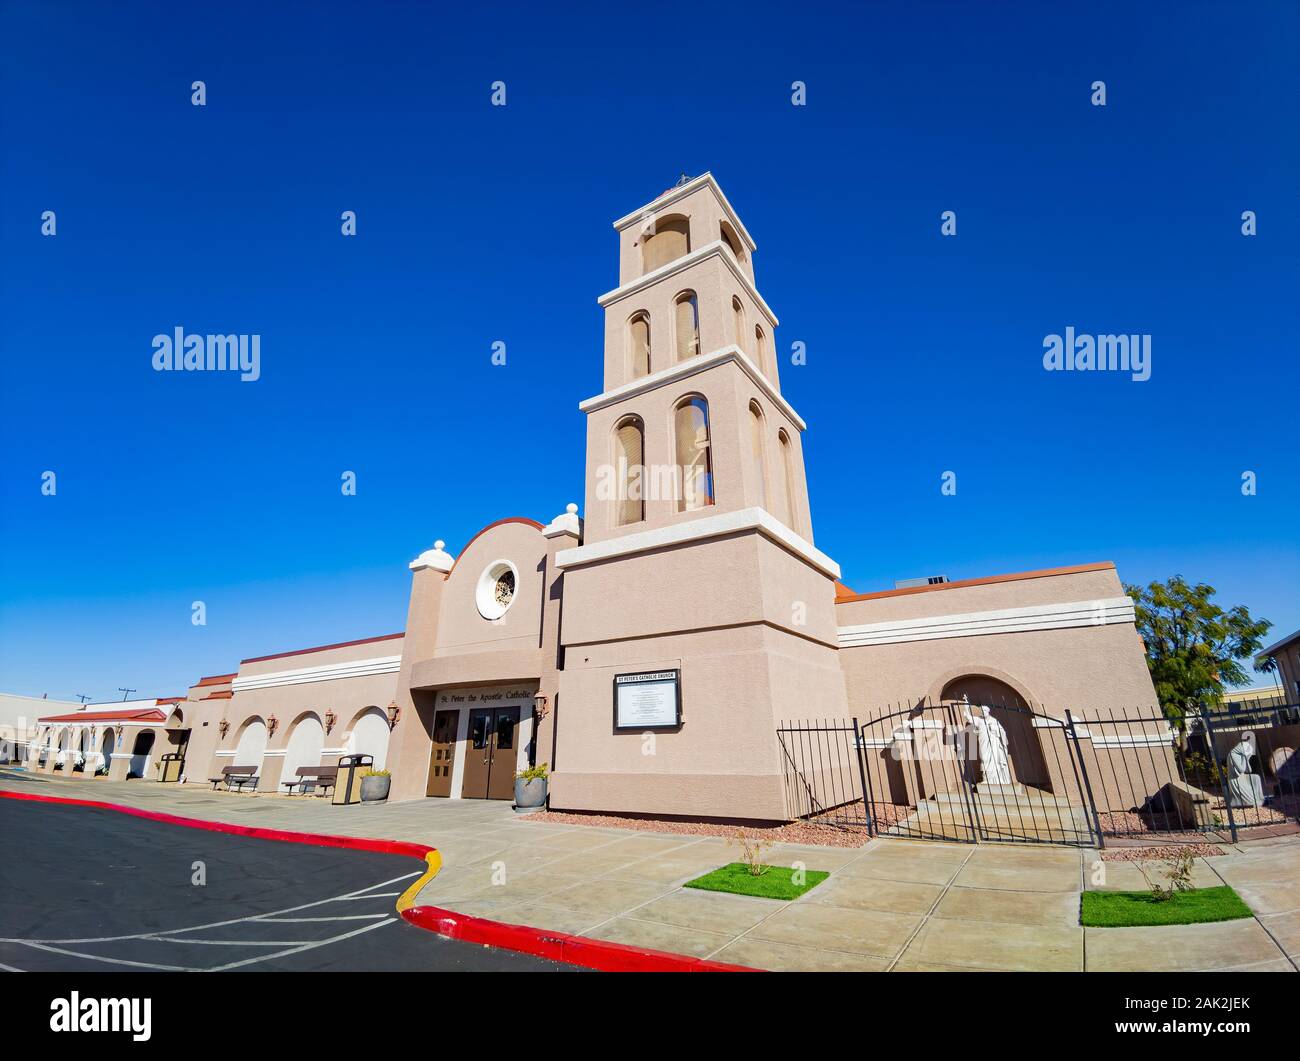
(480, 223)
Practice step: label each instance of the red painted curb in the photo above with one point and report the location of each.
(560, 946)
(356, 843)
(557, 946)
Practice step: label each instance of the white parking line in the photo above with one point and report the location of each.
(232, 921)
(305, 920)
(371, 895)
(303, 947)
(226, 942)
(290, 947)
(103, 958)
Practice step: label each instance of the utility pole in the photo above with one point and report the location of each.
(125, 692)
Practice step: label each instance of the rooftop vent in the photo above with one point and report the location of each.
(910, 583)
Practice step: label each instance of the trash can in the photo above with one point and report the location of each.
(347, 785)
(170, 766)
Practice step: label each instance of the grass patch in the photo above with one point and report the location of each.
(1129, 909)
(775, 882)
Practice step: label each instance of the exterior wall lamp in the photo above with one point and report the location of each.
(223, 727)
(394, 713)
(539, 706)
(272, 724)
(330, 719)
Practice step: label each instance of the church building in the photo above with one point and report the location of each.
(649, 645)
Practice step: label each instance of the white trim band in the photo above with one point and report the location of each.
(744, 519)
(716, 249)
(1103, 612)
(692, 366)
(357, 668)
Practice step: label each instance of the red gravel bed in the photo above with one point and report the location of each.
(790, 833)
(1147, 854)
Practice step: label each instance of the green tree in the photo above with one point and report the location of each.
(1193, 646)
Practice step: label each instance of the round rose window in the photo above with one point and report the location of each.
(496, 587)
(504, 591)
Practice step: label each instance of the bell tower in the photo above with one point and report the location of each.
(697, 554)
(691, 422)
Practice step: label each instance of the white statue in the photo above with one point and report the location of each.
(1245, 787)
(992, 745)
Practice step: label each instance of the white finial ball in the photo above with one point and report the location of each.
(439, 545)
(571, 509)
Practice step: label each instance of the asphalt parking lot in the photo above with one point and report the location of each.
(86, 889)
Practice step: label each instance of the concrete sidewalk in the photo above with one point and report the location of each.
(889, 905)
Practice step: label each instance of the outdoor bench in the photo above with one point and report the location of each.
(322, 777)
(236, 776)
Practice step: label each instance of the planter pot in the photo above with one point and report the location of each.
(531, 794)
(375, 789)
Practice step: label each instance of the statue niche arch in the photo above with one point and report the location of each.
(140, 752)
(1024, 749)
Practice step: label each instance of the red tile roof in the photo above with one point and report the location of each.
(221, 694)
(149, 714)
(322, 648)
(842, 598)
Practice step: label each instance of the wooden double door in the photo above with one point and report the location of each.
(491, 751)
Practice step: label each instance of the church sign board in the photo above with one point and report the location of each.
(648, 700)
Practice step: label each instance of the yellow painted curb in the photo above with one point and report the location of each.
(407, 899)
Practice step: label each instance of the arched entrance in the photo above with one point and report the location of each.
(83, 754)
(110, 742)
(1024, 750)
(62, 757)
(369, 736)
(140, 754)
(304, 747)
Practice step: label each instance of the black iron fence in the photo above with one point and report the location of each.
(1013, 772)
(823, 772)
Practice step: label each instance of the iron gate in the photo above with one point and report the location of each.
(923, 781)
(914, 772)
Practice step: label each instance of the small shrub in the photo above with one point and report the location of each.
(1177, 872)
(533, 773)
(751, 852)
(372, 772)
(1198, 769)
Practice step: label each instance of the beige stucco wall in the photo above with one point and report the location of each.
(988, 595)
(349, 697)
(203, 715)
(750, 627)
(1085, 669)
(1288, 661)
(451, 646)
